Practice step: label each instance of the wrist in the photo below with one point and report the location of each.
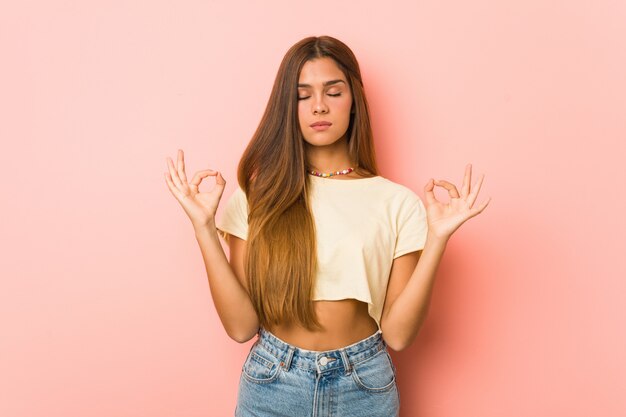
(435, 240)
(205, 228)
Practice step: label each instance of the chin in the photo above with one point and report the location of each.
(320, 141)
(324, 139)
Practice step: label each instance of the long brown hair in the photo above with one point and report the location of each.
(281, 257)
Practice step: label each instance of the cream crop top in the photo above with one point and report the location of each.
(361, 226)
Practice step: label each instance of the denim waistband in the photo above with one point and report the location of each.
(320, 360)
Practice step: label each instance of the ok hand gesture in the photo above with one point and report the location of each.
(200, 207)
(444, 219)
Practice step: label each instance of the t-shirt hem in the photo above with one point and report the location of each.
(223, 232)
(341, 297)
(408, 250)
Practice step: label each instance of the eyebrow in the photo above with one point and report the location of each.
(325, 84)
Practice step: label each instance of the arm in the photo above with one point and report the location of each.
(410, 287)
(226, 282)
(230, 295)
(409, 293)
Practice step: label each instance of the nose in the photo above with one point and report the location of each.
(319, 107)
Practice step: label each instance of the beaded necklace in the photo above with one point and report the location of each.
(330, 174)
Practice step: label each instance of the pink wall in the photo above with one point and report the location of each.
(104, 303)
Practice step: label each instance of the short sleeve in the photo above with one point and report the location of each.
(412, 226)
(234, 218)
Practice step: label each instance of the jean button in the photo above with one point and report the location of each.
(323, 360)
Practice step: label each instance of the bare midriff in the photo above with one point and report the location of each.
(344, 322)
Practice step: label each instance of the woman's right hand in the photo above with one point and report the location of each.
(200, 207)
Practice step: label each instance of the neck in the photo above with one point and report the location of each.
(329, 158)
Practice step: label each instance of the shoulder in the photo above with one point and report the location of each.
(397, 193)
(239, 195)
(237, 200)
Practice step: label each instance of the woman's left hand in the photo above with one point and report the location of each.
(444, 219)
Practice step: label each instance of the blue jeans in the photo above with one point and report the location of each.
(279, 379)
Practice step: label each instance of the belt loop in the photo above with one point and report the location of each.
(346, 361)
(287, 362)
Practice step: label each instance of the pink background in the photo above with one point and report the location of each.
(104, 303)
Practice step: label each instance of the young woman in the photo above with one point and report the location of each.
(330, 263)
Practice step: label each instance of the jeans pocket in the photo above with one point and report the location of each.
(260, 366)
(375, 374)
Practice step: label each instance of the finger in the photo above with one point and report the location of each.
(452, 191)
(475, 189)
(428, 192)
(181, 166)
(173, 173)
(219, 179)
(172, 187)
(220, 184)
(480, 209)
(467, 180)
(198, 176)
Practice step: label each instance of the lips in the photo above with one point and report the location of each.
(322, 123)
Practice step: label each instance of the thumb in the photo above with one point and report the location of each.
(220, 183)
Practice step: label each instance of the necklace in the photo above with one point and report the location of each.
(330, 174)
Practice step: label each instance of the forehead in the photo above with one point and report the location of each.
(319, 70)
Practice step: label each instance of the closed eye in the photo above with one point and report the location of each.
(332, 95)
